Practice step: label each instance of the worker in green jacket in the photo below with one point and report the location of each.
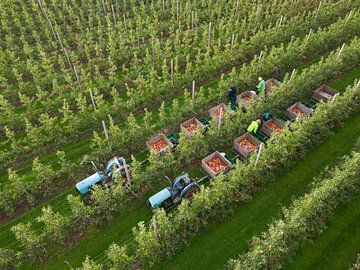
(254, 126)
(261, 86)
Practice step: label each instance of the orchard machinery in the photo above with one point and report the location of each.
(246, 145)
(116, 168)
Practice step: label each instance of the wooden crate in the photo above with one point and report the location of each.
(213, 110)
(241, 150)
(208, 170)
(157, 138)
(193, 120)
(298, 105)
(245, 98)
(324, 93)
(265, 127)
(271, 83)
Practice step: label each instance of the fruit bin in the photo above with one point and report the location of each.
(245, 151)
(324, 93)
(300, 108)
(191, 126)
(214, 112)
(272, 125)
(245, 97)
(221, 164)
(271, 83)
(159, 144)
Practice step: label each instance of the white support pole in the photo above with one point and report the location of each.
(318, 9)
(232, 41)
(77, 78)
(279, 24)
(47, 18)
(357, 85)
(340, 52)
(172, 71)
(64, 51)
(307, 38)
(293, 73)
(209, 34)
(334, 97)
(258, 154)
(193, 94)
(113, 13)
(92, 100)
(177, 10)
(236, 6)
(220, 116)
(163, 5)
(261, 54)
(192, 19)
(348, 17)
(125, 23)
(105, 130)
(103, 6)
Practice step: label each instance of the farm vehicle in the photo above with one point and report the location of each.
(116, 168)
(243, 146)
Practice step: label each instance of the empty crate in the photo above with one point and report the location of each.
(245, 145)
(214, 164)
(159, 144)
(324, 93)
(298, 110)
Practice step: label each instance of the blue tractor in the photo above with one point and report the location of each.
(183, 187)
(114, 168)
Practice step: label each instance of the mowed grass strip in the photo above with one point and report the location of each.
(227, 238)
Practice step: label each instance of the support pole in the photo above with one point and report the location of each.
(258, 154)
(279, 24)
(64, 51)
(209, 34)
(127, 174)
(348, 17)
(293, 73)
(105, 130)
(92, 100)
(113, 13)
(220, 116)
(77, 78)
(232, 41)
(193, 94)
(334, 97)
(103, 6)
(47, 18)
(192, 20)
(172, 71)
(340, 52)
(307, 38)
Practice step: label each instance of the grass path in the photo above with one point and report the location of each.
(337, 247)
(226, 239)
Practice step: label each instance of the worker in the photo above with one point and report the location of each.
(261, 86)
(254, 126)
(232, 94)
(266, 116)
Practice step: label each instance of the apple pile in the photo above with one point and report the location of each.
(298, 112)
(192, 127)
(216, 165)
(160, 144)
(217, 112)
(247, 145)
(274, 127)
(245, 98)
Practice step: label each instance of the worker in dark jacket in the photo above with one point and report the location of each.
(254, 126)
(232, 94)
(266, 116)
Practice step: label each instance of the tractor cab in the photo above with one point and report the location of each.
(182, 187)
(115, 167)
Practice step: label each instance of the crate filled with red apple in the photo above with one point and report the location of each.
(245, 145)
(298, 110)
(324, 93)
(246, 97)
(159, 144)
(218, 112)
(271, 85)
(192, 126)
(214, 164)
(272, 125)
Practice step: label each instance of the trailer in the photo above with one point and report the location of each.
(160, 144)
(245, 145)
(298, 110)
(192, 126)
(272, 125)
(214, 164)
(324, 93)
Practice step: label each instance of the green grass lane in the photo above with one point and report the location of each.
(227, 238)
(337, 247)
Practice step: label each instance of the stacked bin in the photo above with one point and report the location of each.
(207, 168)
(271, 83)
(245, 154)
(213, 110)
(324, 93)
(266, 130)
(298, 105)
(245, 97)
(156, 139)
(195, 121)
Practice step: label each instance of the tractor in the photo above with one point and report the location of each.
(183, 187)
(115, 167)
